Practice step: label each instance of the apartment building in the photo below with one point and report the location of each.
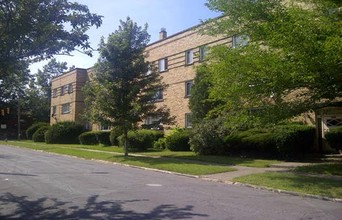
(67, 100)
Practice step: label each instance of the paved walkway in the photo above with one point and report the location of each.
(243, 171)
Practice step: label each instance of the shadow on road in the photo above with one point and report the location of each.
(21, 207)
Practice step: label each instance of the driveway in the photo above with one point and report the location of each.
(38, 185)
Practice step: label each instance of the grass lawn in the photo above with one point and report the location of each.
(168, 164)
(327, 169)
(296, 183)
(247, 162)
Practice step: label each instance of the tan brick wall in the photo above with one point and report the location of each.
(77, 79)
(178, 72)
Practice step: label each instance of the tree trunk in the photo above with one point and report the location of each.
(126, 142)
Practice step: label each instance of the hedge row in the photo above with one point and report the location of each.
(66, 132)
(33, 128)
(177, 140)
(95, 137)
(141, 140)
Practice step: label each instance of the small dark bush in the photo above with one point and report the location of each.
(334, 138)
(159, 144)
(88, 138)
(103, 138)
(178, 140)
(66, 132)
(33, 128)
(39, 135)
(141, 140)
(114, 134)
(207, 138)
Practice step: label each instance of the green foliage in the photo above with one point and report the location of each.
(291, 64)
(141, 140)
(207, 138)
(34, 30)
(66, 132)
(103, 138)
(33, 128)
(114, 134)
(88, 138)
(159, 144)
(39, 135)
(292, 140)
(178, 140)
(120, 91)
(334, 138)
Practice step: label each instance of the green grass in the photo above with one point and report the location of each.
(168, 164)
(296, 183)
(327, 169)
(248, 162)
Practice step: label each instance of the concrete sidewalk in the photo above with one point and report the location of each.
(243, 171)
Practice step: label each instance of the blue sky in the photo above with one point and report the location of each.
(174, 15)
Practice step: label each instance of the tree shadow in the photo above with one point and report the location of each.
(21, 207)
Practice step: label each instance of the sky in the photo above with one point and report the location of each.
(174, 15)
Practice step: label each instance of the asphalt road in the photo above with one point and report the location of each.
(38, 185)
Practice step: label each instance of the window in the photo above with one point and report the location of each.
(69, 88)
(188, 120)
(152, 120)
(203, 50)
(66, 108)
(54, 93)
(334, 122)
(188, 85)
(53, 111)
(162, 65)
(189, 57)
(239, 41)
(104, 127)
(158, 96)
(149, 71)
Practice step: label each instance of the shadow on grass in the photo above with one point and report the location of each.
(22, 207)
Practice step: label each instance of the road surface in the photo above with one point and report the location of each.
(38, 185)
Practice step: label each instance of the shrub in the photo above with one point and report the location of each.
(103, 138)
(66, 132)
(207, 138)
(114, 134)
(178, 141)
(33, 128)
(159, 144)
(88, 138)
(334, 138)
(291, 140)
(141, 139)
(39, 135)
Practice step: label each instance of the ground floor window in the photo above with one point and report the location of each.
(188, 120)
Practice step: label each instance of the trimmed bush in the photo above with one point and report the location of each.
(39, 135)
(290, 140)
(33, 128)
(141, 140)
(88, 138)
(103, 138)
(159, 144)
(178, 141)
(334, 138)
(66, 132)
(113, 137)
(94, 138)
(207, 138)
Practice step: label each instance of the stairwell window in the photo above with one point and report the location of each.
(189, 57)
(188, 120)
(188, 85)
(203, 50)
(66, 108)
(162, 65)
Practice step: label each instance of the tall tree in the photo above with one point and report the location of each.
(121, 90)
(33, 30)
(291, 64)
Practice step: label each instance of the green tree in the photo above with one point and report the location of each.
(33, 30)
(121, 90)
(291, 64)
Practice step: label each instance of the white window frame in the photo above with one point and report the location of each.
(203, 50)
(188, 85)
(65, 108)
(158, 96)
(104, 127)
(162, 65)
(189, 57)
(151, 120)
(239, 41)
